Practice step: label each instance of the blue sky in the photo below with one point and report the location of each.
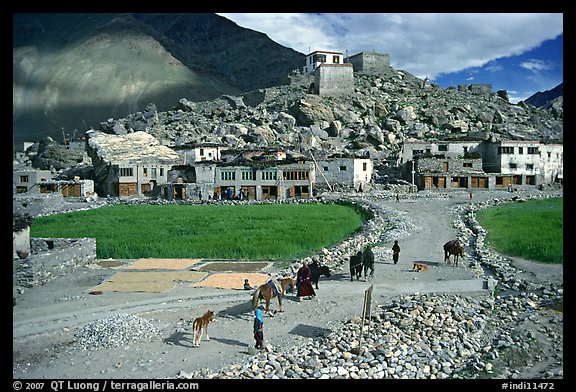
(521, 53)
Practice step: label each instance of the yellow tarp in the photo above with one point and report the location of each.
(163, 264)
(149, 281)
(233, 280)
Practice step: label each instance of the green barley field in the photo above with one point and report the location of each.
(531, 230)
(257, 232)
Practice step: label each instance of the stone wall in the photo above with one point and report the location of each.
(334, 79)
(475, 88)
(369, 62)
(50, 258)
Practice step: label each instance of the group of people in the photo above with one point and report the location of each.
(304, 287)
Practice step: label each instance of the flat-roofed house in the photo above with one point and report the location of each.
(127, 165)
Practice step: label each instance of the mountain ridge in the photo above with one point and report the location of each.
(543, 99)
(72, 71)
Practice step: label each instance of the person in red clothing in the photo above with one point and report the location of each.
(303, 283)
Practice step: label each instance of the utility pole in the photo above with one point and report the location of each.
(320, 171)
(413, 172)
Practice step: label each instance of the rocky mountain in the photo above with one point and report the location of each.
(238, 109)
(73, 70)
(386, 108)
(546, 98)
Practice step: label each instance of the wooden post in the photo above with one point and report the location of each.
(366, 313)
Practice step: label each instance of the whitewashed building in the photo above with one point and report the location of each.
(317, 58)
(347, 171)
(504, 163)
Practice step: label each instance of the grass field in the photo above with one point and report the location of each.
(531, 230)
(256, 232)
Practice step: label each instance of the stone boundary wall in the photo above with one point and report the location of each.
(51, 258)
(334, 79)
(369, 62)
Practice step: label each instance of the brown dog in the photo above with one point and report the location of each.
(419, 267)
(200, 325)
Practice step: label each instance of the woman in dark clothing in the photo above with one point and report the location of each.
(303, 282)
(396, 250)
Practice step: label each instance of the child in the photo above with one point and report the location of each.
(396, 250)
(247, 285)
(259, 328)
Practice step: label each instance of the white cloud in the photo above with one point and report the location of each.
(424, 44)
(536, 65)
(494, 67)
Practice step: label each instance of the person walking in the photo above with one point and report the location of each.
(368, 262)
(259, 328)
(303, 282)
(396, 250)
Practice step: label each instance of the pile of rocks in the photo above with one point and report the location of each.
(115, 331)
(423, 336)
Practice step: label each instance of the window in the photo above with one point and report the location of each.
(153, 172)
(513, 165)
(125, 172)
(319, 58)
(228, 175)
(269, 175)
(295, 175)
(342, 168)
(364, 166)
(336, 59)
(467, 164)
(520, 150)
(505, 150)
(532, 150)
(24, 179)
(325, 168)
(529, 166)
(465, 149)
(248, 175)
(161, 172)
(201, 152)
(145, 171)
(442, 147)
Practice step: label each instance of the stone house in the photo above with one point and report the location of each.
(30, 181)
(266, 180)
(370, 62)
(199, 152)
(347, 171)
(332, 76)
(134, 164)
(480, 164)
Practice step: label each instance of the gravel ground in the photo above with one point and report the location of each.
(50, 322)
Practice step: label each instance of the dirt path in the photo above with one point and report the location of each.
(46, 318)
